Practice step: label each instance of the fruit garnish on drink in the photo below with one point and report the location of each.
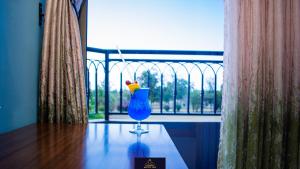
(132, 86)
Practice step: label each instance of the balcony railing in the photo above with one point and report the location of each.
(178, 86)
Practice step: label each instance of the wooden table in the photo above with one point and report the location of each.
(92, 146)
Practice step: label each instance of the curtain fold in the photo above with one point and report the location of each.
(77, 5)
(260, 123)
(62, 87)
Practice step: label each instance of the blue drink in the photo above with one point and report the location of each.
(139, 108)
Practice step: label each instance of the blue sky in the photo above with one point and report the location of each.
(156, 24)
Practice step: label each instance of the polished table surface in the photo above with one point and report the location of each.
(96, 145)
(114, 147)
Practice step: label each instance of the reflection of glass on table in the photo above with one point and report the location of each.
(139, 109)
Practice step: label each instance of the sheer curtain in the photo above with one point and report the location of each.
(62, 88)
(261, 106)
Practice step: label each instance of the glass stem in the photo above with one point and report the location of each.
(139, 125)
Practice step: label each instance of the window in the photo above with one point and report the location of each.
(156, 24)
(160, 25)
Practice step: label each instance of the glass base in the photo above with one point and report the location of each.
(138, 130)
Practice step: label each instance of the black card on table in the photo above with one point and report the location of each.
(150, 163)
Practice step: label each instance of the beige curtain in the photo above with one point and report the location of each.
(261, 105)
(62, 88)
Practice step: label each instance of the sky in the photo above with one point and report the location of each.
(155, 24)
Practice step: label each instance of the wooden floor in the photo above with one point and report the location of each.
(43, 146)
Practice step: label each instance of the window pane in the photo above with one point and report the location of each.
(156, 24)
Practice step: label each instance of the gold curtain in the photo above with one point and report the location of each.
(62, 87)
(261, 105)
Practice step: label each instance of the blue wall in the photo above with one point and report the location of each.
(20, 48)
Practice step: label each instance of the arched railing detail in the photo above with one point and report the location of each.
(185, 97)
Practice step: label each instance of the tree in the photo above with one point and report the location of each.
(211, 83)
(125, 101)
(178, 107)
(196, 100)
(219, 98)
(154, 94)
(182, 86)
(209, 95)
(92, 100)
(168, 92)
(113, 97)
(167, 107)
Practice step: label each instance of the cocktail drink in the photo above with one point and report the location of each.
(139, 108)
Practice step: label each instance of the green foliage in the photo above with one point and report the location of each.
(167, 107)
(92, 101)
(125, 101)
(182, 86)
(113, 98)
(219, 100)
(154, 94)
(209, 96)
(196, 100)
(209, 99)
(96, 116)
(168, 94)
(168, 89)
(178, 107)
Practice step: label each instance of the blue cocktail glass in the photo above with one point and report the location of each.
(139, 108)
